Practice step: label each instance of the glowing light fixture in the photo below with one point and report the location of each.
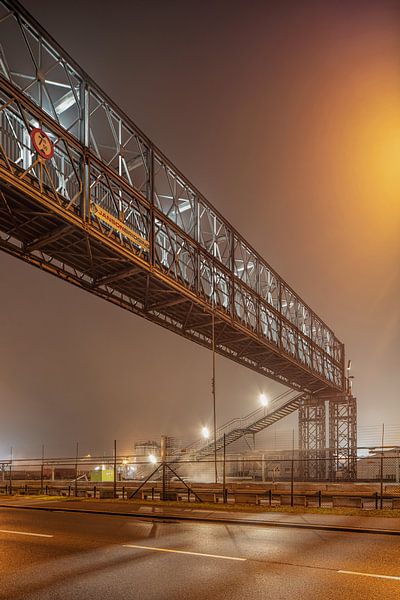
(205, 432)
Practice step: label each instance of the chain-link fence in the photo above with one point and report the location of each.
(273, 479)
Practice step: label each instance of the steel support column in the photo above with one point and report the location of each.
(343, 438)
(312, 438)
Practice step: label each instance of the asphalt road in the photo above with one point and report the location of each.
(45, 555)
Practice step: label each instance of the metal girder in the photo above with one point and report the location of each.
(45, 240)
(167, 304)
(115, 277)
(128, 204)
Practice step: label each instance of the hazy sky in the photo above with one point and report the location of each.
(287, 117)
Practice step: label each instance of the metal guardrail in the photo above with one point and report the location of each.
(268, 497)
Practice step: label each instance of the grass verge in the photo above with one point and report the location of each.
(217, 507)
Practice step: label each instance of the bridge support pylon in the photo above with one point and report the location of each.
(312, 438)
(343, 438)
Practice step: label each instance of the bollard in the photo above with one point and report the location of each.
(123, 492)
(270, 496)
(69, 490)
(376, 500)
(188, 495)
(152, 493)
(319, 499)
(94, 491)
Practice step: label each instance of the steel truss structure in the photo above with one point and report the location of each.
(312, 438)
(343, 437)
(112, 215)
(339, 459)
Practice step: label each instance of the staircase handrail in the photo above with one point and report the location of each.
(244, 422)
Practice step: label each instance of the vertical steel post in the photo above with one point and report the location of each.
(115, 469)
(76, 469)
(224, 473)
(164, 487)
(163, 456)
(292, 472)
(85, 140)
(213, 390)
(10, 472)
(41, 471)
(152, 250)
(383, 439)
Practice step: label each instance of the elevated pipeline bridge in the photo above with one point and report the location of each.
(86, 196)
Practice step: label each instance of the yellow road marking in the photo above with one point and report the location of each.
(183, 552)
(26, 533)
(370, 575)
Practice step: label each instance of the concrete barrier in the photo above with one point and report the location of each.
(244, 498)
(148, 495)
(297, 500)
(104, 493)
(206, 496)
(339, 501)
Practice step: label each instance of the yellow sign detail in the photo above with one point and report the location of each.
(119, 226)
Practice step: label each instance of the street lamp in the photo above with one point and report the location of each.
(205, 432)
(264, 401)
(152, 459)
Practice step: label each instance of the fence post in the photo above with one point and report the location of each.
(376, 500)
(164, 487)
(319, 499)
(76, 469)
(115, 470)
(41, 471)
(224, 474)
(10, 473)
(292, 472)
(383, 436)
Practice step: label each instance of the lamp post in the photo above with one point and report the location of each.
(213, 394)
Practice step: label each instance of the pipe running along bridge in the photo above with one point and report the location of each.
(86, 196)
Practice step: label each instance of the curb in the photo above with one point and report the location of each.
(223, 520)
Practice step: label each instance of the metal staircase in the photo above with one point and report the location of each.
(256, 421)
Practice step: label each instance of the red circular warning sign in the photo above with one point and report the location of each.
(42, 143)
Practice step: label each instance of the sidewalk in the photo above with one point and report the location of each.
(372, 524)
